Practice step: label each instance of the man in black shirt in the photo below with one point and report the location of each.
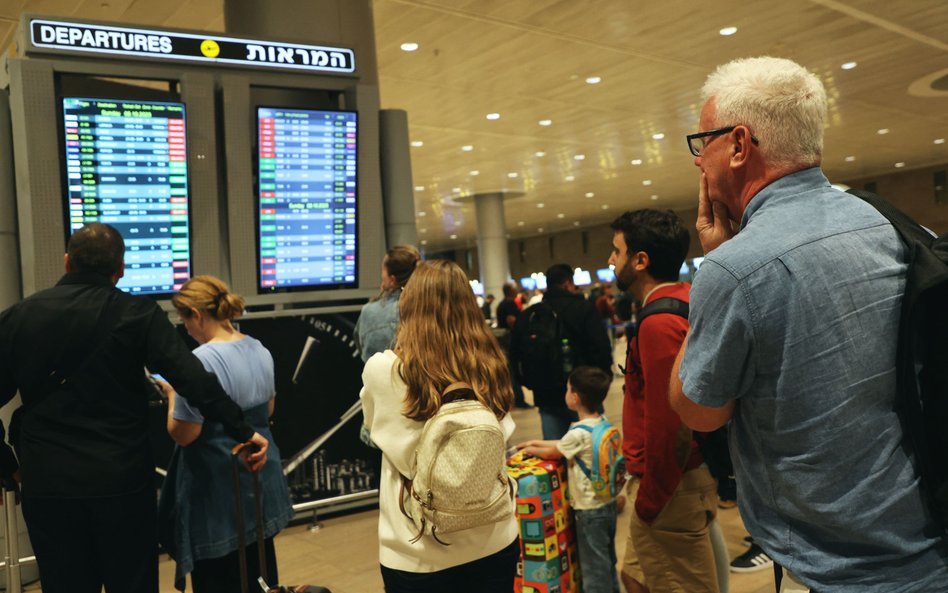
(585, 335)
(76, 353)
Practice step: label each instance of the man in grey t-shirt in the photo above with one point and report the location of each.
(793, 337)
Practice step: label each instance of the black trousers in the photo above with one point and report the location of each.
(83, 544)
(222, 575)
(491, 574)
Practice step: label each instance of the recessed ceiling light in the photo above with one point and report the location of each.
(419, 188)
(589, 194)
(636, 162)
(882, 131)
(899, 165)
(467, 148)
(848, 66)
(474, 173)
(417, 143)
(493, 116)
(579, 157)
(513, 175)
(575, 223)
(424, 241)
(605, 206)
(658, 136)
(593, 80)
(939, 140)
(654, 197)
(540, 153)
(409, 46)
(541, 205)
(570, 177)
(849, 159)
(454, 236)
(647, 182)
(728, 31)
(456, 190)
(561, 215)
(540, 229)
(422, 213)
(545, 122)
(520, 223)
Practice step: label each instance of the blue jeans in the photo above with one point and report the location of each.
(554, 422)
(596, 536)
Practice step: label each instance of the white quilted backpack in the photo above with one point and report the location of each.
(459, 477)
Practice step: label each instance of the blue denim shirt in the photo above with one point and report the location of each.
(796, 318)
(375, 330)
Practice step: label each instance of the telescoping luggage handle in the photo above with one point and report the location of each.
(235, 456)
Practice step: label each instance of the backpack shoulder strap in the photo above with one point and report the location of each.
(579, 462)
(663, 305)
(908, 229)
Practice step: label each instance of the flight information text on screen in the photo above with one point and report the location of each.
(307, 198)
(126, 165)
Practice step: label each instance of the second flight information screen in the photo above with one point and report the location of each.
(126, 166)
(307, 198)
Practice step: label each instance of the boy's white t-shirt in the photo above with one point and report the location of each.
(579, 442)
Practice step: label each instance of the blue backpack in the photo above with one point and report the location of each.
(607, 473)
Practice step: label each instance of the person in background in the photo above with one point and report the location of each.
(442, 341)
(197, 503)
(586, 389)
(674, 495)
(378, 322)
(507, 311)
(76, 353)
(585, 337)
(486, 307)
(794, 325)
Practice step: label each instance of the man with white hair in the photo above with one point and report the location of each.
(793, 335)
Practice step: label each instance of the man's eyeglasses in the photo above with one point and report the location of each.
(697, 142)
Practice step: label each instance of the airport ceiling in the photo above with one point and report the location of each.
(617, 84)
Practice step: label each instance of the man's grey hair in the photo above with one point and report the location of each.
(782, 103)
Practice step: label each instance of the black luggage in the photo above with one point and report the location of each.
(235, 456)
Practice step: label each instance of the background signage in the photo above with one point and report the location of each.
(172, 45)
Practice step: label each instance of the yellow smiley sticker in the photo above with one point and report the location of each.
(210, 49)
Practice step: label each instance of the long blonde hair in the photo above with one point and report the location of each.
(442, 339)
(211, 295)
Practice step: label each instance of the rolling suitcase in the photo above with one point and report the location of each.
(548, 550)
(235, 456)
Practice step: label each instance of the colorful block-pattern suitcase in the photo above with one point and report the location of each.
(548, 557)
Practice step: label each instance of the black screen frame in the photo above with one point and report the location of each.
(116, 92)
(255, 155)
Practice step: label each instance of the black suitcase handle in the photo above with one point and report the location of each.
(235, 456)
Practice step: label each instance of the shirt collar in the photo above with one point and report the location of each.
(656, 287)
(93, 278)
(787, 185)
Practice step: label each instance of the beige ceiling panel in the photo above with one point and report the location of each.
(11, 9)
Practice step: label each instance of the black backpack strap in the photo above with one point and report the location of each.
(908, 229)
(663, 305)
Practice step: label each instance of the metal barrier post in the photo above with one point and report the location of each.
(12, 553)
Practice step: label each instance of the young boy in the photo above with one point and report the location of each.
(595, 520)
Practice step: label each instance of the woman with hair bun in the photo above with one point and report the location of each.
(378, 321)
(197, 507)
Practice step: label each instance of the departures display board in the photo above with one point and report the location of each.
(126, 165)
(306, 184)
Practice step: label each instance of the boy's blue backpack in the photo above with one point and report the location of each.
(607, 473)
